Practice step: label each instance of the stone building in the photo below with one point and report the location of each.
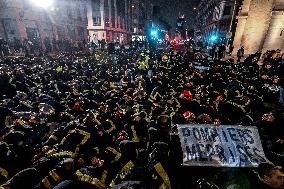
(117, 20)
(260, 26)
(109, 20)
(215, 18)
(64, 20)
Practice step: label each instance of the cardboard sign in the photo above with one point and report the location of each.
(223, 146)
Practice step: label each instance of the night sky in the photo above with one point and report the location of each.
(171, 8)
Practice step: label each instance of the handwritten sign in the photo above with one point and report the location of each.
(223, 146)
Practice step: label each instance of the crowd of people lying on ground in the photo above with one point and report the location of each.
(104, 120)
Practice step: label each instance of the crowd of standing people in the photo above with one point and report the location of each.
(105, 120)
(39, 48)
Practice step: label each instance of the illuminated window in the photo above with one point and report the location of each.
(107, 21)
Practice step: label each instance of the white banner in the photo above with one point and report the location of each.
(223, 146)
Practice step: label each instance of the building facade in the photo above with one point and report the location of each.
(109, 20)
(142, 16)
(215, 20)
(116, 20)
(260, 26)
(21, 19)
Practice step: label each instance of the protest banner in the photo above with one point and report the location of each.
(221, 146)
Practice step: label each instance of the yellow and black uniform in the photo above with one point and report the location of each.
(121, 174)
(156, 99)
(129, 158)
(4, 175)
(111, 155)
(54, 177)
(99, 176)
(112, 159)
(13, 137)
(166, 62)
(92, 177)
(53, 153)
(109, 127)
(137, 130)
(63, 171)
(160, 177)
(232, 111)
(157, 159)
(75, 138)
(57, 135)
(155, 96)
(5, 117)
(143, 65)
(109, 131)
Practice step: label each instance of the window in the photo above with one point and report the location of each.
(106, 8)
(106, 13)
(96, 13)
(227, 10)
(112, 13)
(97, 21)
(117, 22)
(107, 21)
(95, 5)
(120, 7)
(10, 27)
(3, 4)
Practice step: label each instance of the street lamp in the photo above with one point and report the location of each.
(43, 3)
(213, 38)
(154, 33)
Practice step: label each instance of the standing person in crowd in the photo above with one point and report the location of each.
(1, 47)
(212, 52)
(215, 52)
(221, 51)
(18, 47)
(281, 76)
(4, 47)
(240, 54)
(47, 44)
(54, 45)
